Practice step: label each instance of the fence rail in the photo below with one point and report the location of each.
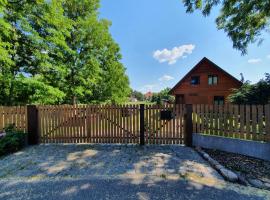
(250, 122)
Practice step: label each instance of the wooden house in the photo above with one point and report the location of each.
(205, 83)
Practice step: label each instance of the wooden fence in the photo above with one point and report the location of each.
(13, 115)
(137, 123)
(250, 122)
(109, 124)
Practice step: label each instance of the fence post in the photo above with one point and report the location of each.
(142, 139)
(188, 125)
(32, 124)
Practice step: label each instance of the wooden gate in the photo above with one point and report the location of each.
(110, 124)
(168, 129)
(89, 124)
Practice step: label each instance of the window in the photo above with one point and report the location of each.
(195, 80)
(218, 100)
(212, 80)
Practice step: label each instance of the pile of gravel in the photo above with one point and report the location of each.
(250, 167)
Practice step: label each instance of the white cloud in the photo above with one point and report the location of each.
(268, 56)
(171, 56)
(166, 78)
(254, 60)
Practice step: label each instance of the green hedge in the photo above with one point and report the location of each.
(13, 141)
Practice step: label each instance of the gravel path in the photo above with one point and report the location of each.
(114, 172)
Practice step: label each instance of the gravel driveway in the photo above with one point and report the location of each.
(114, 172)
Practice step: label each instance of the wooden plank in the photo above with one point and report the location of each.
(111, 133)
(116, 116)
(242, 121)
(151, 121)
(65, 119)
(236, 121)
(128, 123)
(231, 121)
(206, 118)
(167, 128)
(267, 122)
(73, 124)
(121, 139)
(260, 135)
(247, 124)
(100, 134)
(210, 120)
(171, 126)
(146, 123)
(113, 124)
(109, 124)
(156, 123)
(133, 121)
(1, 118)
(178, 123)
(138, 124)
(195, 118)
(89, 125)
(254, 122)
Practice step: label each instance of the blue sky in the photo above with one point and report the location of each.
(160, 43)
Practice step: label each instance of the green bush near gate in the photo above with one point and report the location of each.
(13, 141)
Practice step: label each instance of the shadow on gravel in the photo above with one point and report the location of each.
(117, 189)
(112, 160)
(114, 172)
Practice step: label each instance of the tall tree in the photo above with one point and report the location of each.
(58, 51)
(243, 21)
(94, 69)
(34, 31)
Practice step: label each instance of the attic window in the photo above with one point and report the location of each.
(212, 80)
(195, 80)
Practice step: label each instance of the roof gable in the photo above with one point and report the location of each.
(204, 60)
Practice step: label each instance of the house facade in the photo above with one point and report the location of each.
(205, 83)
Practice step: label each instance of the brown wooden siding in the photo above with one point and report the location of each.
(204, 93)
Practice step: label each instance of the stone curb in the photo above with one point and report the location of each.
(230, 175)
(227, 174)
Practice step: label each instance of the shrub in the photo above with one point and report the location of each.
(13, 141)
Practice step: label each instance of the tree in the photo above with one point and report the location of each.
(258, 93)
(95, 73)
(162, 96)
(30, 28)
(58, 51)
(138, 95)
(243, 21)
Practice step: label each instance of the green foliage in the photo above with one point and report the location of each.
(58, 51)
(258, 93)
(12, 141)
(243, 21)
(138, 95)
(163, 96)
